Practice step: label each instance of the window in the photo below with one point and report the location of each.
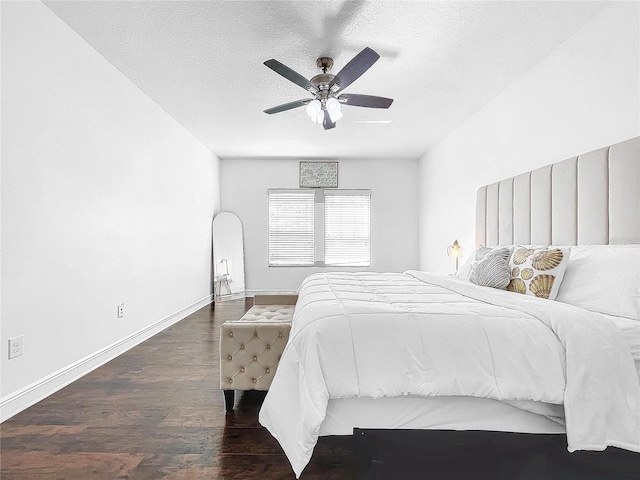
(319, 227)
(347, 233)
(291, 233)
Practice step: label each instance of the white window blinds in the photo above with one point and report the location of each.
(347, 239)
(291, 227)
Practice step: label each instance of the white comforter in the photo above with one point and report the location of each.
(387, 335)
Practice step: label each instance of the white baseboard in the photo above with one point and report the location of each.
(31, 394)
(253, 293)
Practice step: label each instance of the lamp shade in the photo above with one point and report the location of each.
(454, 250)
(334, 108)
(314, 107)
(333, 105)
(335, 116)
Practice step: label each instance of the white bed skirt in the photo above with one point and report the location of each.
(441, 413)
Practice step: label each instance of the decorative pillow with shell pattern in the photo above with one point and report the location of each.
(537, 271)
(478, 255)
(493, 270)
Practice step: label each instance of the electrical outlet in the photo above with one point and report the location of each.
(121, 310)
(16, 347)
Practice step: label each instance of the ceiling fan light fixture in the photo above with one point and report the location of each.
(335, 116)
(335, 109)
(333, 105)
(313, 109)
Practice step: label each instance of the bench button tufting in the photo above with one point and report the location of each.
(231, 334)
(268, 346)
(280, 335)
(267, 370)
(255, 358)
(242, 369)
(229, 357)
(231, 380)
(255, 334)
(255, 381)
(242, 346)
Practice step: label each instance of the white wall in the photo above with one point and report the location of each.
(106, 199)
(394, 213)
(583, 96)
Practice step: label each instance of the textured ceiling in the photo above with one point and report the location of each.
(440, 61)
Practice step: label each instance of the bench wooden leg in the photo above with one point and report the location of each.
(229, 398)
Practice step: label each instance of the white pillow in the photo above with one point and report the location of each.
(604, 278)
(538, 271)
(465, 271)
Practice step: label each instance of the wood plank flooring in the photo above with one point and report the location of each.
(157, 412)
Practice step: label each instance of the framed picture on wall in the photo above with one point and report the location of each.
(318, 174)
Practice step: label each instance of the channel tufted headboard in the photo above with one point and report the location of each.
(591, 199)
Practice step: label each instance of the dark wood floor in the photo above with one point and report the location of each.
(157, 412)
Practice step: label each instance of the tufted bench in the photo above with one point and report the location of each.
(250, 347)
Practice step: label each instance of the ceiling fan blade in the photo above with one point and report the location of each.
(291, 75)
(327, 123)
(371, 101)
(288, 106)
(352, 70)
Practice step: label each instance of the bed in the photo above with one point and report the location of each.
(416, 350)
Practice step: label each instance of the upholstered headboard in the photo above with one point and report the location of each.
(591, 199)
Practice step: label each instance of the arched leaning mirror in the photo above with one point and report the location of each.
(228, 257)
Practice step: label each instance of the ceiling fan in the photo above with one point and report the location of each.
(325, 106)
